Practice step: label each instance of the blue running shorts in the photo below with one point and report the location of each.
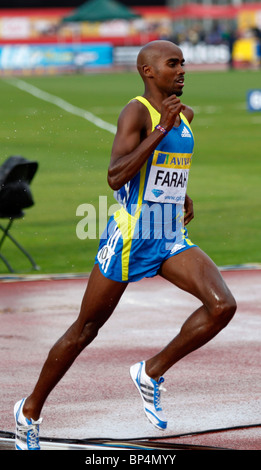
(127, 255)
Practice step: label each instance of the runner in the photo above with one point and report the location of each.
(149, 168)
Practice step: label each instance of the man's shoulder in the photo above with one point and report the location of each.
(134, 111)
(188, 113)
(135, 105)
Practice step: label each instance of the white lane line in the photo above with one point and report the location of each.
(57, 101)
(90, 117)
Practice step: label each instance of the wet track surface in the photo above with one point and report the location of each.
(213, 395)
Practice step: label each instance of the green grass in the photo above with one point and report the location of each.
(73, 156)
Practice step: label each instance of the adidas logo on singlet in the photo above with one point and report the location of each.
(185, 133)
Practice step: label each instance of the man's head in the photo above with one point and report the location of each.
(160, 63)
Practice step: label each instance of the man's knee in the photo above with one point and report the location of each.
(78, 337)
(224, 310)
(88, 334)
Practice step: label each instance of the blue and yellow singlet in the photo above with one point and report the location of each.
(148, 228)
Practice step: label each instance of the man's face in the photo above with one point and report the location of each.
(169, 71)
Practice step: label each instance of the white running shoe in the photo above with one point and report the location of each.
(150, 393)
(27, 430)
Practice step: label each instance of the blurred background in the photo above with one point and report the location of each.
(211, 32)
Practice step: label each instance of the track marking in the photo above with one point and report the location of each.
(256, 119)
(61, 103)
(92, 118)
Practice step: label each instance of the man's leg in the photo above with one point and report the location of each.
(194, 272)
(99, 301)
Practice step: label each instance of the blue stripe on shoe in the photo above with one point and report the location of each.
(160, 424)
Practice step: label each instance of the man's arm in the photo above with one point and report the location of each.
(188, 210)
(132, 145)
(134, 142)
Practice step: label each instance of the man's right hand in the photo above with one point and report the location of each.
(171, 107)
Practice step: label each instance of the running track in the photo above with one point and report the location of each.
(216, 388)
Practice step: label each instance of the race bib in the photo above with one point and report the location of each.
(168, 177)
